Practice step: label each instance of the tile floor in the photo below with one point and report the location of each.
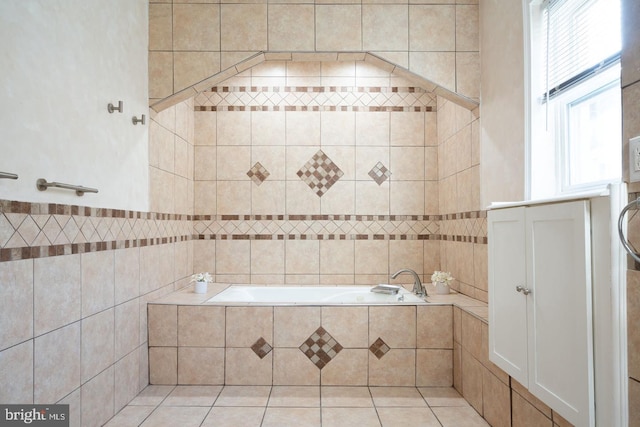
(297, 406)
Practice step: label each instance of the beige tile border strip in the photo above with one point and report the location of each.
(316, 98)
(39, 230)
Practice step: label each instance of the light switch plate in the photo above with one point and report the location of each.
(634, 159)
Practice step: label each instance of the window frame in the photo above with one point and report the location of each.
(552, 145)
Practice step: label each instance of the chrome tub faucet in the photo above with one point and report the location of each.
(418, 288)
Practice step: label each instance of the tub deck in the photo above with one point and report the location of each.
(196, 342)
(310, 295)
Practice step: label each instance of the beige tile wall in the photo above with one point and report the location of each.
(215, 345)
(189, 42)
(500, 399)
(631, 128)
(284, 137)
(171, 159)
(55, 345)
(459, 192)
(237, 127)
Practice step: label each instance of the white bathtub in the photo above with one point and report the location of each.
(310, 295)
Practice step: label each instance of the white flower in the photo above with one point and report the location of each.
(202, 277)
(441, 276)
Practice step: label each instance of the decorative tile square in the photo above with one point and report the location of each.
(258, 173)
(379, 173)
(320, 348)
(379, 348)
(320, 173)
(261, 348)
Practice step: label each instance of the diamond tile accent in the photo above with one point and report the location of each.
(320, 348)
(379, 348)
(258, 173)
(320, 173)
(379, 173)
(261, 348)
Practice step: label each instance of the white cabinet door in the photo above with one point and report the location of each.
(507, 307)
(540, 303)
(559, 309)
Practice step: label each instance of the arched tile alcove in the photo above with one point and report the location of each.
(262, 57)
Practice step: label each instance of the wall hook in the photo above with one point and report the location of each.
(136, 120)
(111, 108)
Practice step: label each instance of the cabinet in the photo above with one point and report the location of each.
(540, 303)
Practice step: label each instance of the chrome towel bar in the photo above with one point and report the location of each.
(636, 205)
(42, 185)
(8, 175)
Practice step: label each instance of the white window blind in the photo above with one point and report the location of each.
(582, 39)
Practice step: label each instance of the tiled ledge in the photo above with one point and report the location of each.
(186, 296)
(474, 307)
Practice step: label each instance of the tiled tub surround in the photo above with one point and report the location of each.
(377, 345)
(259, 215)
(266, 345)
(331, 249)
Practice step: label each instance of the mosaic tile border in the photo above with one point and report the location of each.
(12, 206)
(470, 227)
(464, 239)
(32, 252)
(321, 237)
(320, 89)
(317, 108)
(325, 217)
(39, 230)
(316, 98)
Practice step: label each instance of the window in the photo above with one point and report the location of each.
(575, 106)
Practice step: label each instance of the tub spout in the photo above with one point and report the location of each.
(418, 288)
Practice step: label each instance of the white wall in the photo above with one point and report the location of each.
(61, 63)
(502, 125)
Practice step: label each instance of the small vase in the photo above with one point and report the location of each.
(201, 287)
(442, 288)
